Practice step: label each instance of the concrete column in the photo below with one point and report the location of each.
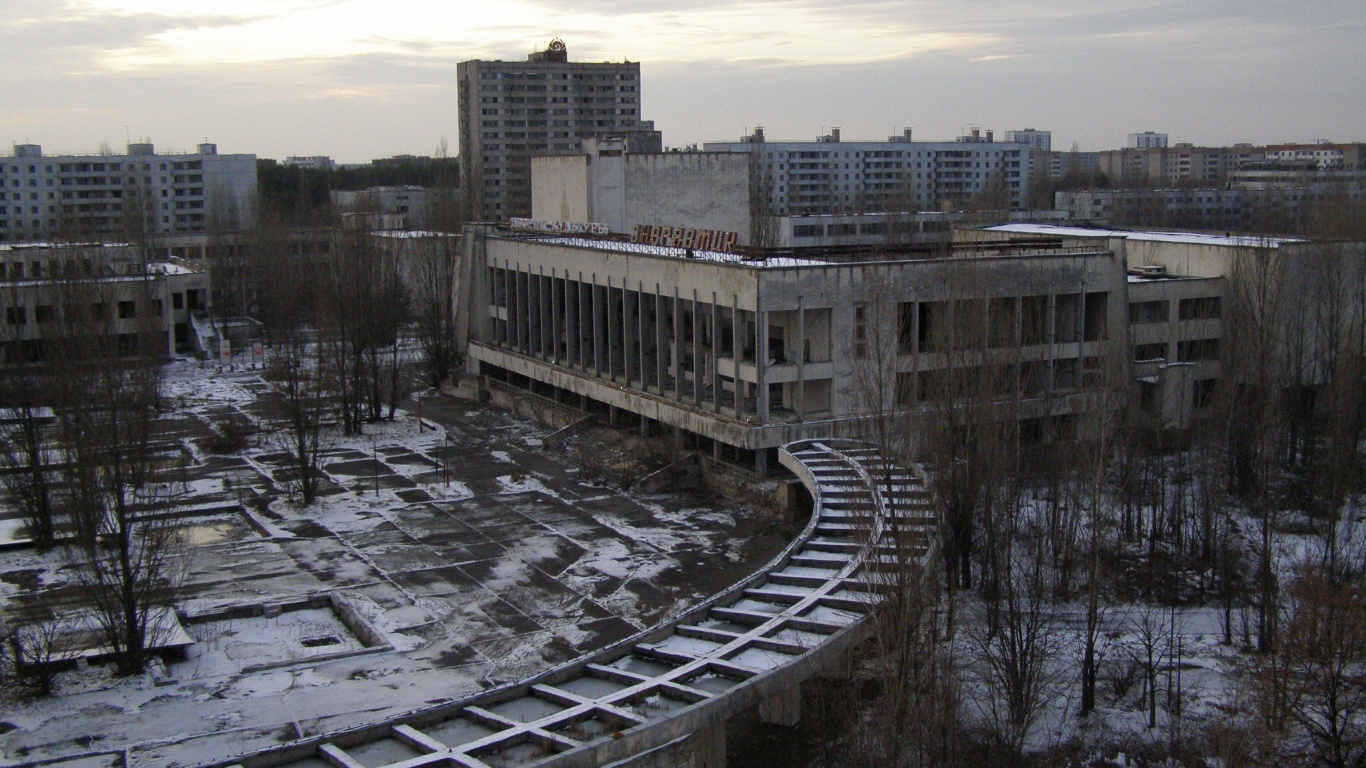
(761, 461)
(696, 350)
(709, 750)
(676, 354)
(783, 708)
(571, 320)
(1051, 322)
(596, 311)
(612, 411)
(644, 427)
(628, 333)
(610, 309)
(546, 314)
(514, 337)
(839, 668)
(738, 351)
(801, 359)
(659, 341)
(556, 313)
(761, 361)
(642, 336)
(715, 353)
(506, 335)
(584, 306)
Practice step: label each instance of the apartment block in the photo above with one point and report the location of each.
(512, 110)
(141, 191)
(830, 175)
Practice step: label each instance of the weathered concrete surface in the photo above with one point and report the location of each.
(517, 568)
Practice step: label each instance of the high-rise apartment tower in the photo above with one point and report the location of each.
(512, 110)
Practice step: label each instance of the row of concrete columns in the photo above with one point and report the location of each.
(636, 335)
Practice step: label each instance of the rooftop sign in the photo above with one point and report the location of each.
(682, 237)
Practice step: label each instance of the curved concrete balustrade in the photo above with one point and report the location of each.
(662, 697)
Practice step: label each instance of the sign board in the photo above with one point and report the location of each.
(682, 237)
(258, 354)
(559, 227)
(224, 352)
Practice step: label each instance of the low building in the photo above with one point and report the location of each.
(50, 291)
(406, 207)
(1312, 295)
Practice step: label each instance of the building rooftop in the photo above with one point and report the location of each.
(1155, 236)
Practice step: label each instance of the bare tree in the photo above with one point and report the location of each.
(1311, 691)
(26, 471)
(434, 271)
(107, 360)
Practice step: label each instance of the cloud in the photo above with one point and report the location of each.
(308, 76)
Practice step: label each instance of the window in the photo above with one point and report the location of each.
(932, 328)
(1150, 351)
(1097, 317)
(16, 315)
(1197, 349)
(1148, 312)
(45, 313)
(807, 230)
(1204, 308)
(1204, 392)
(860, 332)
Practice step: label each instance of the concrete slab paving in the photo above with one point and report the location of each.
(514, 567)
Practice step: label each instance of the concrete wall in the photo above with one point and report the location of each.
(698, 190)
(608, 185)
(559, 188)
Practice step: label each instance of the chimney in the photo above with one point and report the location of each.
(835, 135)
(989, 134)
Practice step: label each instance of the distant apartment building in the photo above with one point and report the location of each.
(1181, 164)
(1034, 139)
(512, 110)
(1255, 205)
(1060, 165)
(830, 175)
(1147, 140)
(315, 162)
(141, 191)
(1324, 155)
(404, 207)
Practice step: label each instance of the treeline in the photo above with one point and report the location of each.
(302, 194)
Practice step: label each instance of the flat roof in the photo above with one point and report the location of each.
(1155, 236)
(685, 254)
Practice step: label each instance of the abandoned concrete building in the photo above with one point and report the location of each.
(744, 353)
(48, 291)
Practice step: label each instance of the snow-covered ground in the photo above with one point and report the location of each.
(506, 567)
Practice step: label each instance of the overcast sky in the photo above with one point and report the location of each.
(361, 79)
